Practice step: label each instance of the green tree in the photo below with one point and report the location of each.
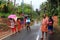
(27, 9)
(50, 7)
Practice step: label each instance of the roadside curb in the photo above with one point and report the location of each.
(5, 36)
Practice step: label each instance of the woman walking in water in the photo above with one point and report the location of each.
(44, 26)
(19, 24)
(12, 25)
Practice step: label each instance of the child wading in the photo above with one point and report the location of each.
(19, 24)
(12, 25)
(50, 25)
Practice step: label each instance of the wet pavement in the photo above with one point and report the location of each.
(34, 34)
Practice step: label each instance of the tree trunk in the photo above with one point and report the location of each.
(14, 2)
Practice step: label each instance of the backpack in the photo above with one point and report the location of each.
(28, 20)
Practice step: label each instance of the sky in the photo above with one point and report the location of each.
(35, 3)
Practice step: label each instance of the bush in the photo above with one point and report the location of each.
(3, 24)
(4, 27)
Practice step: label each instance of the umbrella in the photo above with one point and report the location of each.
(13, 16)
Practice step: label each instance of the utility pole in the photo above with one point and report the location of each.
(22, 6)
(31, 3)
(14, 2)
(14, 6)
(31, 8)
